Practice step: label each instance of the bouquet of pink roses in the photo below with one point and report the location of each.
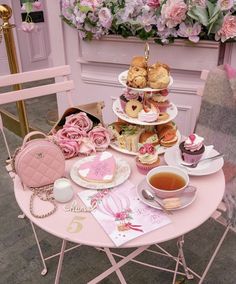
(79, 136)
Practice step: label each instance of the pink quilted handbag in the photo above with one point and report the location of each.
(39, 162)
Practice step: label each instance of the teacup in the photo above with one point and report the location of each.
(62, 190)
(167, 181)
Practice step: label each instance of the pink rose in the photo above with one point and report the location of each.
(37, 5)
(69, 148)
(174, 12)
(142, 150)
(225, 4)
(100, 136)
(70, 133)
(228, 29)
(79, 120)
(87, 147)
(153, 3)
(149, 148)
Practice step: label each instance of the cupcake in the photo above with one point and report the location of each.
(160, 100)
(192, 148)
(129, 95)
(147, 158)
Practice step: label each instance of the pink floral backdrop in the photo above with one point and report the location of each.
(161, 20)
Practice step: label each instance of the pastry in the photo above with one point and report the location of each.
(101, 168)
(133, 107)
(149, 137)
(163, 116)
(147, 158)
(167, 134)
(169, 139)
(150, 116)
(160, 100)
(170, 125)
(158, 76)
(139, 61)
(192, 148)
(137, 77)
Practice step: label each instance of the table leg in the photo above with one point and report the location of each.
(118, 265)
(113, 262)
(180, 244)
(59, 266)
(44, 271)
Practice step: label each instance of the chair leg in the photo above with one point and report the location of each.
(214, 254)
(44, 271)
(180, 244)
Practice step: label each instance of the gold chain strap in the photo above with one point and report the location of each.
(44, 193)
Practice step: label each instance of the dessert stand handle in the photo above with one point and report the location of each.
(146, 51)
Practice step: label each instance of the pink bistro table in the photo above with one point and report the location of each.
(83, 229)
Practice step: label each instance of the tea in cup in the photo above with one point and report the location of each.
(167, 181)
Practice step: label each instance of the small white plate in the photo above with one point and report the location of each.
(122, 174)
(116, 107)
(173, 158)
(123, 79)
(186, 198)
(160, 149)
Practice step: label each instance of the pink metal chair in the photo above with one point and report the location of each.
(62, 85)
(218, 215)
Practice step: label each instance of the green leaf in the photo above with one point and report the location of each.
(84, 9)
(199, 14)
(27, 1)
(28, 7)
(215, 26)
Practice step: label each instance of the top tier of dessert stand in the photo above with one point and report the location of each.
(147, 91)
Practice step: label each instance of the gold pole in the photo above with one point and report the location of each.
(5, 15)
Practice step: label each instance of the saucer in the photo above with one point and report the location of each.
(186, 198)
(173, 158)
(122, 174)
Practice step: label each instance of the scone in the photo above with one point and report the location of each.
(137, 77)
(158, 76)
(139, 61)
(133, 107)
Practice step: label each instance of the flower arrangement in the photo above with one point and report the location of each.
(79, 136)
(29, 6)
(161, 20)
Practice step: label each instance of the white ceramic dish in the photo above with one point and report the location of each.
(116, 107)
(160, 150)
(186, 198)
(173, 158)
(123, 79)
(122, 174)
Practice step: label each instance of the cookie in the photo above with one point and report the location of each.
(133, 107)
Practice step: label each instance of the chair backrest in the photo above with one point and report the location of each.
(65, 85)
